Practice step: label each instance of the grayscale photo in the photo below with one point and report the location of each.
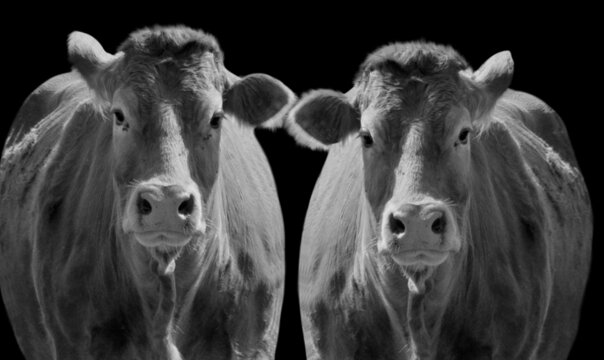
(195, 182)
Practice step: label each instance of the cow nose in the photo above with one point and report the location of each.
(439, 223)
(397, 224)
(143, 205)
(164, 215)
(166, 203)
(401, 221)
(423, 233)
(187, 206)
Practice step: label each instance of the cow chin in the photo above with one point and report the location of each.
(162, 239)
(420, 258)
(164, 247)
(418, 264)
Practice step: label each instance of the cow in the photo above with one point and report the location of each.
(450, 220)
(139, 215)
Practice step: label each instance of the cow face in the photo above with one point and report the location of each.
(166, 95)
(415, 121)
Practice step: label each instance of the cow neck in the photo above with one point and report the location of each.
(157, 291)
(161, 328)
(416, 312)
(414, 306)
(167, 296)
(201, 262)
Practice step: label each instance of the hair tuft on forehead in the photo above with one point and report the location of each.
(172, 41)
(416, 58)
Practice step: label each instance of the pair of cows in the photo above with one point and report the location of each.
(140, 220)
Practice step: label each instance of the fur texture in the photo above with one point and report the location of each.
(514, 288)
(75, 285)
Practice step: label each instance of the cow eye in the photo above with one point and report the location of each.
(366, 138)
(216, 120)
(464, 135)
(118, 116)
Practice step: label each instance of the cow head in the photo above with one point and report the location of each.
(414, 111)
(166, 94)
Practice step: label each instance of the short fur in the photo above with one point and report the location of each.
(514, 289)
(74, 285)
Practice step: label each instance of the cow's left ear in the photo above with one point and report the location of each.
(94, 64)
(488, 83)
(257, 99)
(323, 117)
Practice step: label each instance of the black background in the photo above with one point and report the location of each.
(555, 53)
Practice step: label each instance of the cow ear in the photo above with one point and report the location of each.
(321, 118)
(94, 64)
(488, 83)
(257, 99)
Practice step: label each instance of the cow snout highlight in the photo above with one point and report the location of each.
(182, 204)
(160, 215)
(418, 234)
(434, 222)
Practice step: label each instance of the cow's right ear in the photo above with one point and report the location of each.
(488, 83)
(94, 64)
(321, 118)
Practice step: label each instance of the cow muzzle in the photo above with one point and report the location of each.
(418, 234)
(164, 216)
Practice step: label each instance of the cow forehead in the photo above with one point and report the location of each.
(171, 58)
(413, 58)
(394, 101)
(170, 76)
(188, 87)
(418, 78)
(168, 41)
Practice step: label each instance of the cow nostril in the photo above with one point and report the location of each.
(438, 226)
(144, 207)
(397, 227)
(187, 206)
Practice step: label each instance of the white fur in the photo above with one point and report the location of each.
(498, 65)
(83, 47)
(490, 81)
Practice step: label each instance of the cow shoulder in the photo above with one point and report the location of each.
(545, 149)
(38, 132)
(356, 325)
(551, 183)
(541, 119)
(332, 225)
(251, 206)
(42, 101)
(80, 144)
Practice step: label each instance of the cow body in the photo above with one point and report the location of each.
(76, 287)
(513, 290)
